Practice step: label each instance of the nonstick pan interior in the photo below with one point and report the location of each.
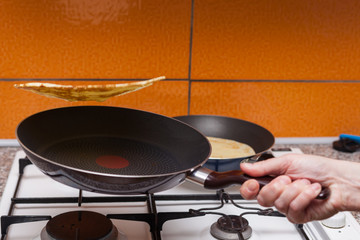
(114, 155)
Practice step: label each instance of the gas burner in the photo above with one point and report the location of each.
(80, 225)
(231, 227)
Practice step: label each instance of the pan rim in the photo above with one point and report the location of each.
(187, 170)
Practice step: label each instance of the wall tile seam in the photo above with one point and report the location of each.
(177, 79)
(83, 79)
(274, 81)
(191, 33)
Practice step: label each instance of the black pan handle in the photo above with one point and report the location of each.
(218, 180)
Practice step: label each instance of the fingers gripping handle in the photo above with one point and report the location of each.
(218, 180)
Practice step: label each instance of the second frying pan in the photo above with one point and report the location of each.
(257, 137)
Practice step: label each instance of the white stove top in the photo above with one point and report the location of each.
(35, 184)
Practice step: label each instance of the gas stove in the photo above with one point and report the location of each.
(35, 207)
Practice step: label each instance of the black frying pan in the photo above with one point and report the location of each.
(257, 137)
(118, 150)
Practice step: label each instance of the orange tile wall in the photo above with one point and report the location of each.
(290, 66)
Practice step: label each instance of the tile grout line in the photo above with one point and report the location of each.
(180, 79)
(276, 81)
(190, 55)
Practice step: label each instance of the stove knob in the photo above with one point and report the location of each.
(336, 221)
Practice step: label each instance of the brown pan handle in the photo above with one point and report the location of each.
(218, 180)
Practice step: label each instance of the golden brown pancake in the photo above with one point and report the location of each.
(226, 148)
(97, 93)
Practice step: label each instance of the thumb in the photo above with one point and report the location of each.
(272, 166)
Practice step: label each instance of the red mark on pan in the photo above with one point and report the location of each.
(112, 161)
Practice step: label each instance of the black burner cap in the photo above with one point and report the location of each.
(79, 225)
(230, 227)
(232, 223)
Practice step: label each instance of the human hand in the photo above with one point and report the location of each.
(298, 182)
